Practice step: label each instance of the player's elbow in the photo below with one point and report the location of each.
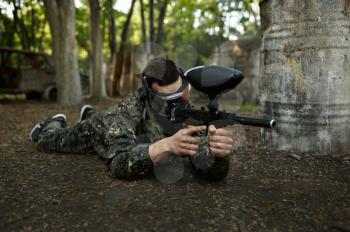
(122, 168)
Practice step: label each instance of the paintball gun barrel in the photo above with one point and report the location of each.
(213, 81)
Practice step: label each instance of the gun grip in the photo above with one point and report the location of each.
(200, 134)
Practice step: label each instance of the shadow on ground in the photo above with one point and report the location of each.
(264, 191)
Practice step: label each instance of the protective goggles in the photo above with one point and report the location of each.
(163, 103)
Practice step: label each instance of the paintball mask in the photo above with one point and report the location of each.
(164, 103)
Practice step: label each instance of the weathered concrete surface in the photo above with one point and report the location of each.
(305, 74)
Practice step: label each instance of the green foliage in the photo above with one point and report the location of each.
(7, 32)
(204, 24)
(201, 24)
(25, 27)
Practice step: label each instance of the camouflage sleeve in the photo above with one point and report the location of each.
(126, 158)
(207, 166)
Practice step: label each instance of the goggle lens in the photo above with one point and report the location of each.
(162, 103)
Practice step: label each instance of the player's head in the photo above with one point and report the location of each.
(162, 71)
(165, 86)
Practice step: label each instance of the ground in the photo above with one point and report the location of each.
(264, 191)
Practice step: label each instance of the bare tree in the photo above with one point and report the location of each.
(61, 18)
(123, 42)
(112, 42)
(111, 29)
(162, 13)
(143, 23)
(151, 21)
(98, 79)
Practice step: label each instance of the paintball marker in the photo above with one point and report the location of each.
(214, 81)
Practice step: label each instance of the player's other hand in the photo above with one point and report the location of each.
(220, 141)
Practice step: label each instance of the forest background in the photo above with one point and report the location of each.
(109, 41)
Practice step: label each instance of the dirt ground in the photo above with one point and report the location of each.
(264, 191)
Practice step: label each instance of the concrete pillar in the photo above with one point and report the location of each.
(305, 74)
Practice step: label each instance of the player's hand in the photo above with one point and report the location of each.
(220, 141)
(186, 141)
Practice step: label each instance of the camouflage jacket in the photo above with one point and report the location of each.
(123, 135)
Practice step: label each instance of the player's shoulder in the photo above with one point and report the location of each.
(133, 104)
(135, 99)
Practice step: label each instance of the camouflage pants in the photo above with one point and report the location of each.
(79, 138)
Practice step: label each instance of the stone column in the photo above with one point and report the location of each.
(305, 75)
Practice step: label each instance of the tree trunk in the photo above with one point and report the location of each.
(111, 76)
(143, 23)
(134, 78)
(151, 21)
(125, 80)
(112, 47)
(51, 12)
(120, 55)
(162, 13)
(61, 18)
(98, 80)
(111, 30)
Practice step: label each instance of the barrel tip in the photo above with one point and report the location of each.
(272, 123)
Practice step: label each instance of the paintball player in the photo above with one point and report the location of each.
(137, 135)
